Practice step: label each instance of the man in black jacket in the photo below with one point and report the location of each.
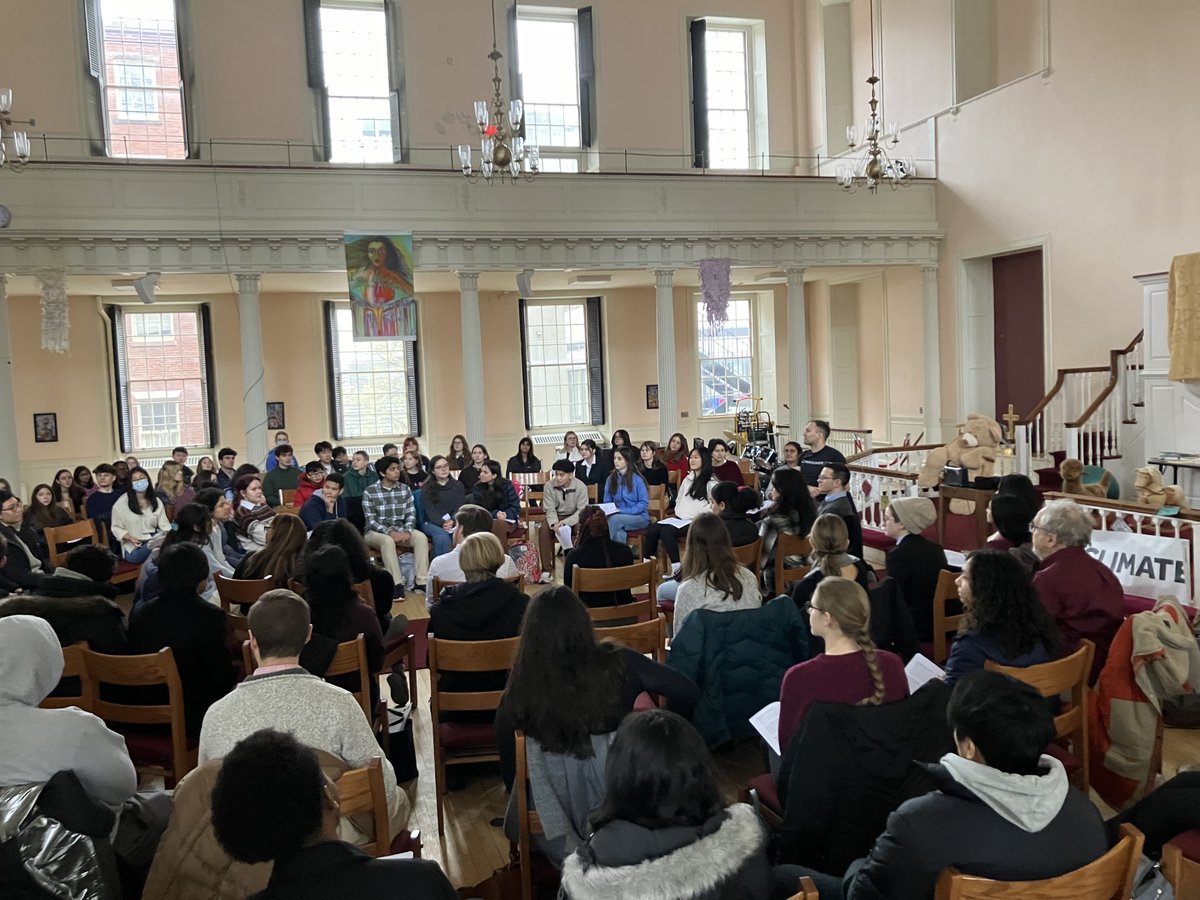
(272, 802)
(24, 568)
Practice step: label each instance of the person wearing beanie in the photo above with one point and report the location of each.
(915, 562)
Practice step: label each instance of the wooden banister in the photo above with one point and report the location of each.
(908, 449)
(884, 473)
(1114, 370)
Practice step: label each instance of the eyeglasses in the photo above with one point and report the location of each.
(809, 606)
(824, 478)
(1035, 527)
(16, 504)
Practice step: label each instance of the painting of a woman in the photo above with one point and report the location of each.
(380, 276)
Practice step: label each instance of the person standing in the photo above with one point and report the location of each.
(817, 454)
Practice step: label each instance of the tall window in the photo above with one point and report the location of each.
(163, 393)
(726, 358)
(373, 383)
(725, 56)
(354, 55)
(549, 80)
(563, 362)
(133, 51)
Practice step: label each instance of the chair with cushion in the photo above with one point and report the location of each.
(155, 736)
(72, 668)
(944, 623)
(457, 743)
(1108, 878)
(361, 792)
(1181, 863)
(240, 591)
(1053, 679)
(789, 545)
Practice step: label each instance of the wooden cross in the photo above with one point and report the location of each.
(1012, 419)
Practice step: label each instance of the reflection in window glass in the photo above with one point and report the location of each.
(726, 358)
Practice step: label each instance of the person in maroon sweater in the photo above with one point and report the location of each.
(724, 468)
(851, 670)
(1080, 593)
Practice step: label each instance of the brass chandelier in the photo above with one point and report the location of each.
(20, 139)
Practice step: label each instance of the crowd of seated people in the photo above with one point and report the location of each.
(644, 807)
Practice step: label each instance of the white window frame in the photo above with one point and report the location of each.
(335, 336)
(342, 142)
(758, 134)
(751, 338)
(556, 158)
(127, 88)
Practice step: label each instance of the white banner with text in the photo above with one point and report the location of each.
(1145, 564)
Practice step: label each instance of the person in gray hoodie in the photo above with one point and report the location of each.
(1003, 808)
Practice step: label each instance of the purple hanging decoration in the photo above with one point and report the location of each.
(714, 281)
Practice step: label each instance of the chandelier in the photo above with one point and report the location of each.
(20, 140)
(875, 165)
(504, 155)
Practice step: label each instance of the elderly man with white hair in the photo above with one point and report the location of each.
(1080, 593)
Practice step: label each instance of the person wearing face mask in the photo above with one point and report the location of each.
(565, 498)
(139, 518)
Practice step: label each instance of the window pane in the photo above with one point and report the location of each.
(549, 82)
(372, 378)
(556, 349)
(142, 86)
(726, 61)
(726, 358)
(354, 51)
(165, 380)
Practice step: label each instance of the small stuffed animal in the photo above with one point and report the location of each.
(1152, 492)
(1071, 471)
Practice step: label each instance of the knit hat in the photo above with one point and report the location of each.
(914, 513)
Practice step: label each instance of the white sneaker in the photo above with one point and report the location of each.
(675, 567)
(545, 578)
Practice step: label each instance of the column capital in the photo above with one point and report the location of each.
(467, 280)
(664, 278)
(248, 282)
(795, 276)
(929, 273)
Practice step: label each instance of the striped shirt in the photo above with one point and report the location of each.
(389, 509)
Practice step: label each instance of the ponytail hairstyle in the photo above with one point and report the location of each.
(736, 500)
(846, 603)
(830, 539)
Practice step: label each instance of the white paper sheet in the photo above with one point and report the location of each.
(920, 671)
(766, 723)
(676, 521)
(608, 508)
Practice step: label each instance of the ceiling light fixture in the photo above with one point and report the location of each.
(20, 139)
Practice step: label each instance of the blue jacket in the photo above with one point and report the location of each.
(633, 502)
(971, 650)
(738, 659)
(313, 512)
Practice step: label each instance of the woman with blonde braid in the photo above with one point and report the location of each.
(851, 670)
(829, 558)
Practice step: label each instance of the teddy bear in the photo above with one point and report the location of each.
(1071, 471)
(974, 449)
(1151, 491)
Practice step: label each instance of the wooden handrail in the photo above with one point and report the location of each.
(1045, 401)
(851, 459)
(1114, 368)
(1184, 515)
(852, 430)
(885, 473)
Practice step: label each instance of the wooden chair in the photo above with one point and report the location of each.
(237, 628)
(1053, 679)
(638, 609)
(789, 545)
(647, 638)
(72, 668)
(1108, 878)
(618, 578)
(674, 477)
(240, 591)
(437, 585)
(362, 588)
(528, 821)
(593, 493)
(164, 754)
(455, 743)
(657, 510)
(531, 502)
(747, 467)
(748, 555)
(361, 791)
(1179, 867)
(943, 624)
(351, 657)
(83, 530)
(286, 498)
(808, 890)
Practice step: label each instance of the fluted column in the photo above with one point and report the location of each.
(10, 462)
(472, 353)
(933, 363)
(254, 400)
(668, 392)
(797, 331)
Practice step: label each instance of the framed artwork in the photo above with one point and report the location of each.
(275, 418)
(652, 396)
(379, 272)
(45, 428)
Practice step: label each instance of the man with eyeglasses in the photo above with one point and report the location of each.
(26, 564)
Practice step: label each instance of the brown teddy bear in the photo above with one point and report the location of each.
(1071, 471)
(974, 449)
(1151, 491)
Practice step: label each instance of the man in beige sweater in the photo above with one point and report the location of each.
(283, 696)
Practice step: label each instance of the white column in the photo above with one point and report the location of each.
(10, 462)
(668, 393)
(933, 364)
(797, 332)
(254, 399)
(472, 357)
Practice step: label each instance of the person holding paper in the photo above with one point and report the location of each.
(693, 499)
(851, 670)
(1005, 620)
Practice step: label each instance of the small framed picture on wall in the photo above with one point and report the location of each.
(652, 396)
(45, 428)
(275, 417)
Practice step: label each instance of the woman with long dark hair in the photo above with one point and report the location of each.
(338, 615)
(792, 512)
(251, 512)
(1004, 620)
(459, 453)
(342, 533)
(193, 525)
(693, 500)
(412, 472)
(60, 491)
(205, 467)
(567, 690)
(675, 458)
(524, 462)
(649, 466)
(470, 473)
(441, 496)
(711, 577)
(663, 830)
(223, 544)
(140, 519)
(82, 486)
(627, 490)
(43, 512)
(596, 550)
(280, 558)
(496, 494)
